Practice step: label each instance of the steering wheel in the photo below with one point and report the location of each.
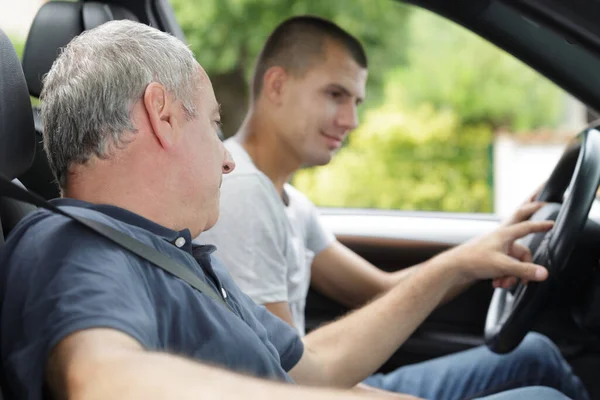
(511, 313)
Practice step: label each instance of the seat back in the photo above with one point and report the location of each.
(17, 133)
(17, 137)
(56, 23)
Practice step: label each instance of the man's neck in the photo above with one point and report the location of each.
(268, 152)
(141, 197)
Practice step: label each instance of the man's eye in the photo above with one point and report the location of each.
(335, 94)
(218, 123)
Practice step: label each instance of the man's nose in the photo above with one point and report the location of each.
(228, 163)
(348, 117)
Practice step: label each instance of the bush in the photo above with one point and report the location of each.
(453, 68)
(418, 159)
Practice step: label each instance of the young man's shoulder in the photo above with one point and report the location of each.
(244, 166)
(296, 195)
(246, 181)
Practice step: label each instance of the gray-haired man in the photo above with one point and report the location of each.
(130, 126)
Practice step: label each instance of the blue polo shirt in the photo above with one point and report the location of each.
(57, 277)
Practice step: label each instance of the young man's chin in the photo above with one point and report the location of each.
(316, 160)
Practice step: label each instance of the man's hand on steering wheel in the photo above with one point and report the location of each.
(523, 213)
(497, 255)
(569, 192)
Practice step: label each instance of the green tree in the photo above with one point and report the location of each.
(226, 36)
(450, 67)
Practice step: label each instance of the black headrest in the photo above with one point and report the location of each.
(17, 132)
(56, 23)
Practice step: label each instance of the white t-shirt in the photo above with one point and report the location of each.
(267, 247)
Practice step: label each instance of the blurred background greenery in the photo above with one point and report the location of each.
(436, 96)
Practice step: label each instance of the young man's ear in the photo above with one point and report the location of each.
(274, 84)
(158, 105)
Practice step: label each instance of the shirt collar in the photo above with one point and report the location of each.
(131, 218)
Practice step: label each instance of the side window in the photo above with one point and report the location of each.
(17, 22)
(450, 123)
(460, 126)
(17, 32)
(16, 18)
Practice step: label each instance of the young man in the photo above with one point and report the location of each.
(309, 80)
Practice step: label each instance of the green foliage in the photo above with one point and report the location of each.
(451, 67)
(411, 159)
(19, 45)
(428, 147)
(228, 34)
(436, 93)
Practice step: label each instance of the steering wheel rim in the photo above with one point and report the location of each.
(510, 316)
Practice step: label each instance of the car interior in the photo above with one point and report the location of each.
(560, 42)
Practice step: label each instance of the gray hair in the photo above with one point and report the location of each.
(93, 85)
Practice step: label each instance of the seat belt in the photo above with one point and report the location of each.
(10, 190)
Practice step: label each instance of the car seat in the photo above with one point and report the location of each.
(56, 23)
(17, 136)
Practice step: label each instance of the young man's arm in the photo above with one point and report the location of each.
(107, 364)
(349, 279)
(344, 276)
(347, 351)
(282, 310)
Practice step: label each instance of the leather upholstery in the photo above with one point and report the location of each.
(17, 132)
(56, 23)
(17, 137)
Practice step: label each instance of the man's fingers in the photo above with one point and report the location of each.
(522, 229)
(526, 271)
(520, 252)
(536, 192)
(527, 210)
(518, 259)
(505, 282)
(524, 212)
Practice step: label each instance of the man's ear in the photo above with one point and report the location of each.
(274, 82)
(158, 105)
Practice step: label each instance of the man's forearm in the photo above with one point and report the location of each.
(399, 276)
(376, 393)
(352, 281)
(161, 376)
(352, 348)
(347, 351)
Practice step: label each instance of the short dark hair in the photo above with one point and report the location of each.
(298, 42)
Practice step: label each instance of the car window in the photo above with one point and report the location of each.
(451, 123)
(16, 21)
(16, 18)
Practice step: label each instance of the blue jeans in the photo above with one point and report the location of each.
(528, 393)
(479, 372)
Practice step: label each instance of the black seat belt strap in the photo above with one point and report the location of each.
(9, 189)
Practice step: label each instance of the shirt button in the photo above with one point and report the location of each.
(179, 242)
(224, 293)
